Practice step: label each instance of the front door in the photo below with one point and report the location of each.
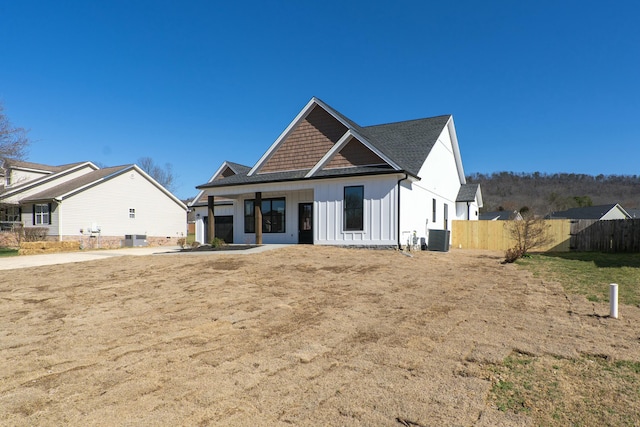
(305, 223)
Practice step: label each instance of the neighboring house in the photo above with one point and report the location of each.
(600, 212)
(94, 206)
(326, 180)
(633, 213)
(500, 216)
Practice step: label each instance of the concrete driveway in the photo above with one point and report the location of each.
(26, 261)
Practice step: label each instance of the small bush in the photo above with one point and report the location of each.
(34, 234)
(218, 242)
(182, 242)
(195, 244)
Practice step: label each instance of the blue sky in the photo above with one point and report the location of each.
(549, 86)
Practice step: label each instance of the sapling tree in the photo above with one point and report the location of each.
(528, 234)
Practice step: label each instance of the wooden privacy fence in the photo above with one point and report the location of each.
(615, 235)
(494, 235)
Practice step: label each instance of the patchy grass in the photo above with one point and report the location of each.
(590, 273)
(8, 252)
(590, 390)
(555, 391)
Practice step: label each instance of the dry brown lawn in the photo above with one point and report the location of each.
(303, 335)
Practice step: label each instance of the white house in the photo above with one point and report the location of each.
(107, 207)
(328, 181)
(599, 212)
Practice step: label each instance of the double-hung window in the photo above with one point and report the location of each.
(353, 208)
(41, 214)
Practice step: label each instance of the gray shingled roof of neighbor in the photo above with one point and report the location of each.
(29, 184)
(406, 143)
(467, 193)
(76, 183)
(38, 166)
(587, 212)
(500, 215)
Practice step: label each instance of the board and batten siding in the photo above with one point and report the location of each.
(203, 211)
(292, 198)
(380, 215)
(107, 206)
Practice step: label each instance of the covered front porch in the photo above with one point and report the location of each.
(257, 217)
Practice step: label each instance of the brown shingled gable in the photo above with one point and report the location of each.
(307, 144)
(354, 154)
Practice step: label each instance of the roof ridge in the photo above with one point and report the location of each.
(407, 121)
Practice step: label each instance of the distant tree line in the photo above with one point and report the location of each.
(541, 193)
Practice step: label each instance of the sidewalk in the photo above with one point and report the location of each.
(26, 261)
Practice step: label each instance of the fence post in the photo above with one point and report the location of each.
(613, 300)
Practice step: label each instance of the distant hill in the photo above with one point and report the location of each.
(542, 193)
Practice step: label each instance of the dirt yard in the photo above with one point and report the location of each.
(304, 336)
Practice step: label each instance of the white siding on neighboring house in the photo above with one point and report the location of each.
(47, 185)
(20, 176)
(107, 206)
(27, 217)
(614, 213)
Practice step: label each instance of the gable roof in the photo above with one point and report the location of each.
(18, 164)
(91, 179)
(61, 171)
(500, 215)
(587, 212)
(470, 193)
(408, 143)
(237, 169)
(400, 146)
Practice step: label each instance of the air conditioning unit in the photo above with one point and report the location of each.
(134, 240)
(439, 240)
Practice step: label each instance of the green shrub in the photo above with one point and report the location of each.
(218, 242)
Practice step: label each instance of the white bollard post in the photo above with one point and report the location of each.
(613, 300)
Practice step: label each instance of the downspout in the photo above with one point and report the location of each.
(59, 222)
(468, 211)
(400, 180)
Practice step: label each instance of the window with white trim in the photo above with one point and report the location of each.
(41, 214)
(132, 213)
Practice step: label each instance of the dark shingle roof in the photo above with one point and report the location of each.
(497, 215)
(238, 168)
(38, 166)
(75, 184)
(467, 193)
(587, 212)
(407, 144)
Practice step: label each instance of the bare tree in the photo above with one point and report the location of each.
(13, 140)
(164, 175)
(529, 233)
